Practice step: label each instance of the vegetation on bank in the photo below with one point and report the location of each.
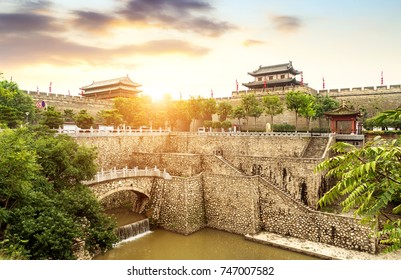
(45, 211)
(369, 182)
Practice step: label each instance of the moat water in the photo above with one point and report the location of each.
(206, 244)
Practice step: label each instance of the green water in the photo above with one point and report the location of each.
(206, 244)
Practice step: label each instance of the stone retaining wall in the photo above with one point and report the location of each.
(183, 165)
(231, 203)
(286, 217)
(294, 175)
(183, 208)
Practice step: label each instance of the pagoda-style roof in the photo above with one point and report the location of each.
(108, 89)
(343, 111)
(272, 83)
(274, 69)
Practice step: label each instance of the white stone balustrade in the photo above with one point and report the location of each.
(114, 173)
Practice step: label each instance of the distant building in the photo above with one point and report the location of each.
(280, 75)
(109, 89)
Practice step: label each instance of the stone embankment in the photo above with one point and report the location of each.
(246, 189)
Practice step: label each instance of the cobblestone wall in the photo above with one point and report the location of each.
(294, 175)
(231, 203)
(183, 165)
(282, 215)
(183, 209)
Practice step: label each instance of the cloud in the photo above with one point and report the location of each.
(162, 47)
(251, 42)
(92, 21)
(35, 6)
(36, 49)
(27, 23)
(287, 24)
(181, 15)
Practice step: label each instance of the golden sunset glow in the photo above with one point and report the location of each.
(194, 47)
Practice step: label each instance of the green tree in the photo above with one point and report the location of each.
(44, 210)
(68, 115)
(272, 106)
(52, 118)
(308, 109)
(134, 110)
(209, 108)
(248, 103)
(16, 107)
(84, 120)
(110, 117)
(178, 112)
(295, 101)
(226, 125)
(256, 112)
(238, 113)
(368, 183)
(323, 104)
(224, 110)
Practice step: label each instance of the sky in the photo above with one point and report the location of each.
(196, 47)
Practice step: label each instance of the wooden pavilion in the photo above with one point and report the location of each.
(343, 120)
(109, 89)
(280, 75)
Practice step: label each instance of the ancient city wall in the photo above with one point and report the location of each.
(231, 203)
(182, 209)
(285, 216)
(118, 151)
(183, 165)
(294, 175)
(76, 103)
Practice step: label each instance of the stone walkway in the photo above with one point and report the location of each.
(319, 250)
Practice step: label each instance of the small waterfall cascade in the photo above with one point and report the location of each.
(134, 229)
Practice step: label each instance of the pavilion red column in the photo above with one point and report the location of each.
(333, 125)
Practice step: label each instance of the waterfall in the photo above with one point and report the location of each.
(133, 229)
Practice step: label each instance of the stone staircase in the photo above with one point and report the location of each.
(264, 181)
(316, 147)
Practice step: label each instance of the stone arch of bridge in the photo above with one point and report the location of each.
(141, 186)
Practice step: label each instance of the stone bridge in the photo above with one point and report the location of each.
(139, 181)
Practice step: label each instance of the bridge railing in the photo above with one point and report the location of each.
(127, 173)
(107, 133)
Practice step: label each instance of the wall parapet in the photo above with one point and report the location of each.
(337, 92)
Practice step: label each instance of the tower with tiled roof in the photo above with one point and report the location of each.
(280, 75)
(109, 89)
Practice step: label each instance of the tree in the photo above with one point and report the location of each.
(226, 125)
(15, 106)
(238, 113)
(68, 115)
(209, 108)
(178, 112)
(368, 182)
(224, 109)
(297, 101)
(308, 109)
(110, 117)
(256, 112)
(134, 110)
(248, 103)
(84, 120)
(323, 104)
(272, 106)
(52, 118)
(44, 210)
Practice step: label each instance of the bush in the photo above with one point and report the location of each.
(216, 124)
(320, 130)
(283, 128)
(226, 124)
(208, 123)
